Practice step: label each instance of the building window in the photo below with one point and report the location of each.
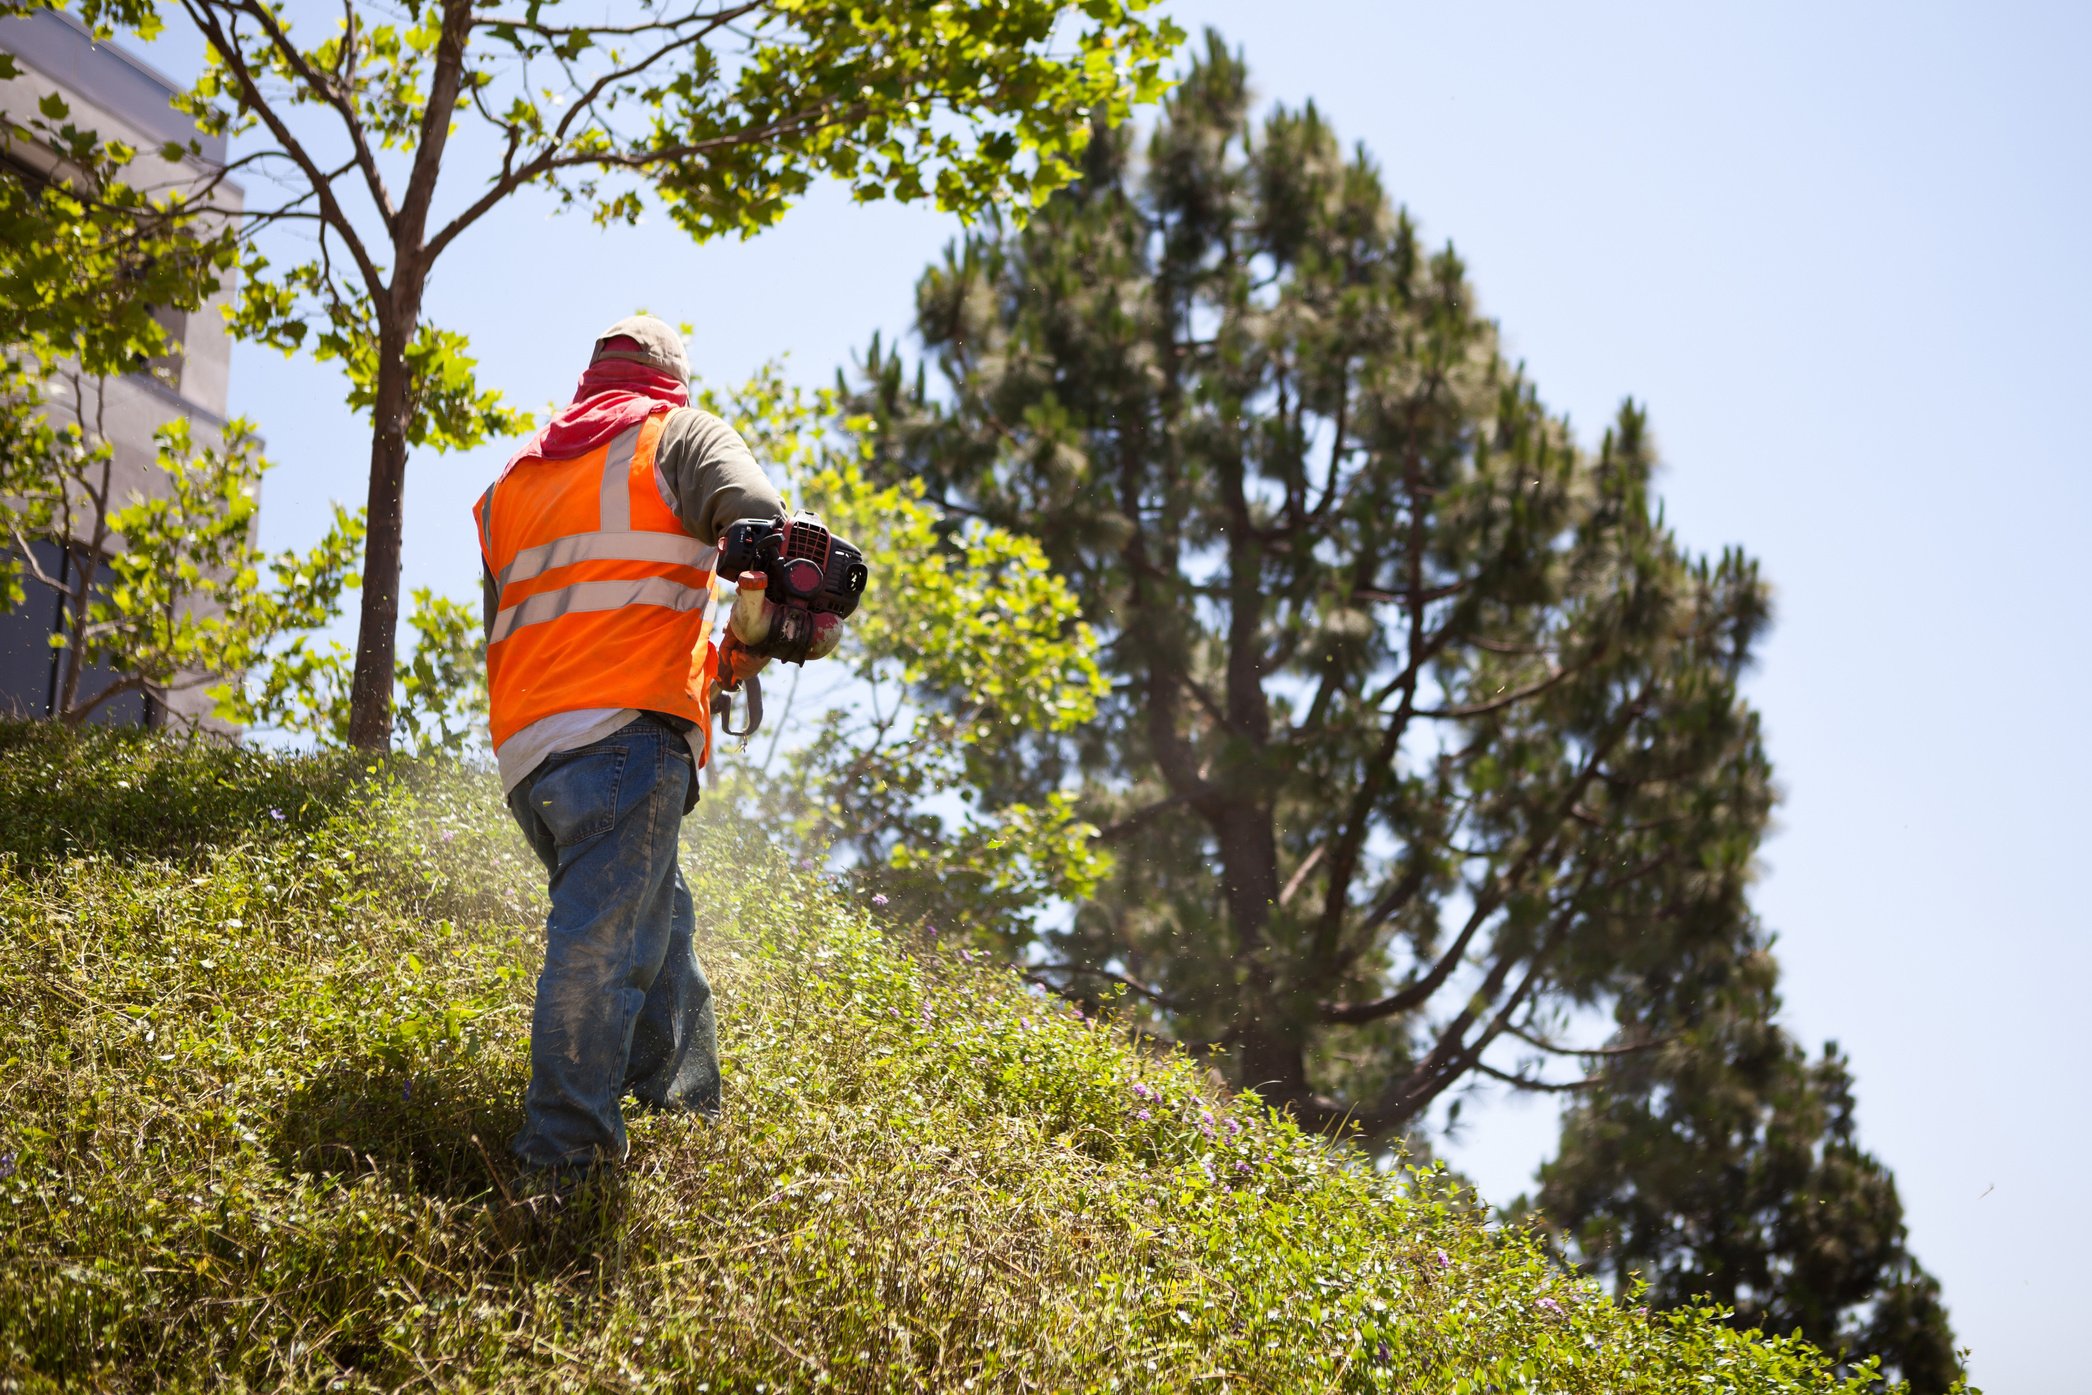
(31, 670)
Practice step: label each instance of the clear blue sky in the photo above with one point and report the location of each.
(1840, 251)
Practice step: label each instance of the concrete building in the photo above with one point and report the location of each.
(113, 93)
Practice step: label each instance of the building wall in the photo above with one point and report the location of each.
(113, 93)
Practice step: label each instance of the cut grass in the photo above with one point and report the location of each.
(262, 1038)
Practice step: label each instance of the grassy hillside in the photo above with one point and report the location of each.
(262, 1039)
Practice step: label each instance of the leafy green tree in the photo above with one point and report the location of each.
(182, 603)
(439, 686)
(160, 583)
(95, 241)
(1727, 1163)
(1424, 744)
(967, 647)
(399, 131)
(1415, 703)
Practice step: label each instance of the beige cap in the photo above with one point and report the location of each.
(659, 345)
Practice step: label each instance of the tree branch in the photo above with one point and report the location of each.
(1451, 1056)
(1624, 1049)
(228, 50)
(1500, 702)
(549, 159)
(1357, 819)
(1420, 595)
(623, 31)
(1544, 1086)
(1119, 827)
(1486, 902)
(1032, 974)
(74, 716)
(1300, 873)
(331, 90)
(408, 229)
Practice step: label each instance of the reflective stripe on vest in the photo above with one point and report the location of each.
(674, 548)
(596, 595)
(615, 511)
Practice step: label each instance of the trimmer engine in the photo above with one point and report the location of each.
(806, 567)
(812, 578)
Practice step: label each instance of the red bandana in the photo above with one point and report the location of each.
(614, 394)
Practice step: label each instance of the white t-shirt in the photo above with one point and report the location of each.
(567, 731)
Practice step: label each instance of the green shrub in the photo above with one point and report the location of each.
(262, 1040)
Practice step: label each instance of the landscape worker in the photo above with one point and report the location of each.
(599, 539)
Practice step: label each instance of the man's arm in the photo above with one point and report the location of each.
(711, 474)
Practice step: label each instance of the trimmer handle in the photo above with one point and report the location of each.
(723, 707)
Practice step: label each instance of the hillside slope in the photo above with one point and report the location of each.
(262, 1039)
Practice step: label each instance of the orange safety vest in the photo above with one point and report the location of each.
(605, 600)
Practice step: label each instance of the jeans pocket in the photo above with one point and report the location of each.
(576, 794)
(680, 753)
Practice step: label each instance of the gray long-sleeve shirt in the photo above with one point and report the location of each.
(711, 474)
(711, 479)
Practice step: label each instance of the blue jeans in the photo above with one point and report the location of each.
(622, 1005)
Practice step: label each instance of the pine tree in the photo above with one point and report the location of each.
(1424, 744)
(1727, 1164)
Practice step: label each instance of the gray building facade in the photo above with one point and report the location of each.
(117, 95)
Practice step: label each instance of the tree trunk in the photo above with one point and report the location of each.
(370, 695)
(82, 558)
(1273, 1059)
(399, 313)
(79, 578)
(1274, 1064)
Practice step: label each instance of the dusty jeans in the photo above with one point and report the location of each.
(622, 1005)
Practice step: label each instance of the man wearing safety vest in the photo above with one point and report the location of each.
(599, 539)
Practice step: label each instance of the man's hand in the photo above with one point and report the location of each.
(761, 630)
(737, 663)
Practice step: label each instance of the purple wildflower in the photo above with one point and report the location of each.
(1242, 1167)
(449, 833)
(1142, 1115)
(1548, 1305)
(1143, 1091)
(1234, 1125)
(277, 814)
(7, 1164)
(878, 899)
(1445, 1261)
